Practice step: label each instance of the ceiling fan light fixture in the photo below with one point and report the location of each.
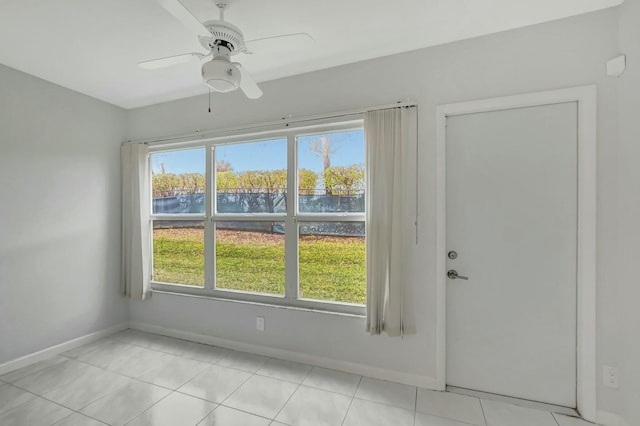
(221, 75)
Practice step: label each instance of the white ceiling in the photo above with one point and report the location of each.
(93, 46)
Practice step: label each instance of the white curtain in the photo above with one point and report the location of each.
(390, 137)
(136, 243)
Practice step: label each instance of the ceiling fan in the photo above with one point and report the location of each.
(221, 39)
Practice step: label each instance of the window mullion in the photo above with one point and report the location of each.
(151, 250)
(209, 224)
(291, 225)
(331, 217)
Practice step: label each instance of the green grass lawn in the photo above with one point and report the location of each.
(331, 268)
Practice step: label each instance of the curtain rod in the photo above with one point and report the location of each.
(284, 122)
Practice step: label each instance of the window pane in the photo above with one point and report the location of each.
(178, 181)
(331, 172)
(250, 256)
(332, 261)
(252, 177)
(178, 252)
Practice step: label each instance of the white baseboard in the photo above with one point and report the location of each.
(334, 364)
(23, 361)
(609, 419)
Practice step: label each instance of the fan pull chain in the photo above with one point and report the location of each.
(209, 100)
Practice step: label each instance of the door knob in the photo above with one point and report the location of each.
(453, 274)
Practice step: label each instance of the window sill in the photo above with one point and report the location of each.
(341, 309)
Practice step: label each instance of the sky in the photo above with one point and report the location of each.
(347, 148)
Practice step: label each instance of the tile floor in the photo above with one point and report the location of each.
(135, 378)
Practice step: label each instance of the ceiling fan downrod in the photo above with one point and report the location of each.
(222, 7)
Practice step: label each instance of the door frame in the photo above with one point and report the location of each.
(585, 96)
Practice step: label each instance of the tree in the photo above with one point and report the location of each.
(347, 180)
(170, 185)
(165, 184)
(226, 181)
(223, 166)
(265, 184)
(191, 183)
(307, 180)
(263, 181)
(322, 147)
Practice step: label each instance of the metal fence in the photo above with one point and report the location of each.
(260, 202)
(266, 203)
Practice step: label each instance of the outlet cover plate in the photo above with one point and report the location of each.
(260, 323)
(610, 377)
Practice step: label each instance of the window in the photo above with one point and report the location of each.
(330, 217)
(279, 219)
(332, 261)
(178, 212)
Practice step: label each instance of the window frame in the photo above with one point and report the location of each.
(291, 218)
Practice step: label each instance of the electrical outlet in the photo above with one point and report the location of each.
(610, 377)
(260, 323)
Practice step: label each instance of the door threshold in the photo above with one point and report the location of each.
(515, 401)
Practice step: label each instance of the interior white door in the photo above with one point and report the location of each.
(511, 212)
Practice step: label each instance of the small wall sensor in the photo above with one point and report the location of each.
(616, 66)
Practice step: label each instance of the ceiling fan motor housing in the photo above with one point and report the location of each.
(222, 31)
(221, 75)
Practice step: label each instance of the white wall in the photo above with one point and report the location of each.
(59, 215)
(559, 54)
(59, 197)
(627, 232)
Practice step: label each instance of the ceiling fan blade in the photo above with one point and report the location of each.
(284, 42)
(169, 61)
(248, 84)
(181, 13)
